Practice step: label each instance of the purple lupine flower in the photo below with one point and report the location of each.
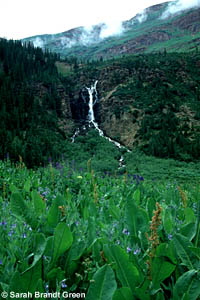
(170, 236)
(136, 251)
(1, 263)
(63, 284)
(24, 235)
(128, 249)
(10, 233)
(3, 223)
(125, 231)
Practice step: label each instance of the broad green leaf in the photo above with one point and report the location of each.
(39, 203)
(15, 282)
(40, 245)
(40, 286)
(167, 251)
(160, 296)
(114, 211)
(187, 285)
(13, 188)
(74, 254)
(196, 251)
(26, 282)
(189, 230)
(123, 294)
(56, 273)
(182, 245)
(131, 217)
(85, 212)
(142, 291)
(136, 218)
(167, 221)
(189, 215)
(54, 213)
(91, 232)
(104, 284)
(160, 270)
(76, 250)
(62, 240)
(136, 196)
(27, 185)
(49, 247)
(21, 209)
(127, 273)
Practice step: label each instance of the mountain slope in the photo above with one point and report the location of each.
(145, 33)
(148, 101)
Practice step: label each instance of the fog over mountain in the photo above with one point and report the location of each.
(88, 35)
(180, 5)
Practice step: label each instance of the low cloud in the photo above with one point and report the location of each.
(38, 42)
(142, 16)
(91, 34)
(111, 28)
(178, 6)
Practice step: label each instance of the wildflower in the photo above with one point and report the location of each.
(24, 235)
(1, 263)
(183, 196)
(170, 236)
(47, 287)
(63, 284)
(154, 238)
(10, 233)
(128, 249)
(125, 231)
(4, 223)
(136, 251)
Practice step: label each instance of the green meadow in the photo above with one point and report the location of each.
(100, 235)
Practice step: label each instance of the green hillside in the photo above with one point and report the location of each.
(176, 33)
(149, 103)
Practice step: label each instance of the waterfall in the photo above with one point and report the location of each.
(93, 91)
(93, 98)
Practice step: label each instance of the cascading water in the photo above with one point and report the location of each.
(93, 98)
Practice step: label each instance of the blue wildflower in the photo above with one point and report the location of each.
(170, 236)
(125, 231)
(63, 284)
(136, 251)
(3, 223)
(128, 249)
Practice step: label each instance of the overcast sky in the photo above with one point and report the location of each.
(25, 18)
